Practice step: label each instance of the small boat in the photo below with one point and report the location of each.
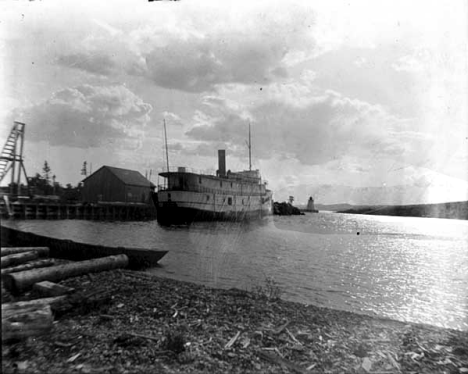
(189, 196)
(70, 250)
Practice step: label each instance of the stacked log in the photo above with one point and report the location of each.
(30, 265)
(18, 259)
(12, 256)
(42, 251)
(24, 280)
(35, 317)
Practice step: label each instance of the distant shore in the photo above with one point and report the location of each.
(454, 210)
(153, 324)
(451, 210)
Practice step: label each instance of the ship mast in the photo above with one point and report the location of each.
(250, 150)
(167, 153)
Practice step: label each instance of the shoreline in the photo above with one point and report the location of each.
(156, 324)
(285, 298)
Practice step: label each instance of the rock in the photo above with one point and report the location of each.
(285, 209)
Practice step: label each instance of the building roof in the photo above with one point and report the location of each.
(129, 177)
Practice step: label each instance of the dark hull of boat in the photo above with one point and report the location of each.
(68, 249)
(170, 214)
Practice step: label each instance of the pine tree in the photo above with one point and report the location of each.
(84, 170)
(46, 172)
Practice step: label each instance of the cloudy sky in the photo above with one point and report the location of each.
(349, 101)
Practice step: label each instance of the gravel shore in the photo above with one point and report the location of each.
(156, 325)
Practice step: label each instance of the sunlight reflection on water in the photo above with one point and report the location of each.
(410, 269)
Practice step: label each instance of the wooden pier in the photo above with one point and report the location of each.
(102, 212)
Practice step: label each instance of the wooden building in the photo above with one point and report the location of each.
(111, 184)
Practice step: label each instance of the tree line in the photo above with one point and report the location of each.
(46, 184)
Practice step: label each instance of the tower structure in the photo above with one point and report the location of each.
(11, 158)
(310, 205)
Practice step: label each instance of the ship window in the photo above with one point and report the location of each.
(207, 197)
(229, 200)
(199, 180)
(242, 201)
(220, 184)
(231, 184)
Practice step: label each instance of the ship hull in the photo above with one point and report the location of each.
(185, 207)
(174, 215)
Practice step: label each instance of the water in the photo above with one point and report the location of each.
(409, 269)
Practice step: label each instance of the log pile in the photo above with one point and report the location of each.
(24, 280)
(18, 259)
(22, 271)
(42, 251)
(30, 265)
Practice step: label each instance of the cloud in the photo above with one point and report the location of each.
(172, 118)
(416, 186)
(197, 49)
(211, 47)
(321, 129)
(95, 63)
(88, 116)
(199, 64)
(225, 127)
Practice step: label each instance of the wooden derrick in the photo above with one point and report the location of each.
(30, 265)
(42, 251)
(21, 281)
(18, 259)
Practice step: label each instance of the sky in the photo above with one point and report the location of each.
(359, 102)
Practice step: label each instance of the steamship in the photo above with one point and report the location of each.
(234, 196)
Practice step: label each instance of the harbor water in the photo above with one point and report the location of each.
(404, 268)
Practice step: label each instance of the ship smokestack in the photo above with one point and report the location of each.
(222, 162)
